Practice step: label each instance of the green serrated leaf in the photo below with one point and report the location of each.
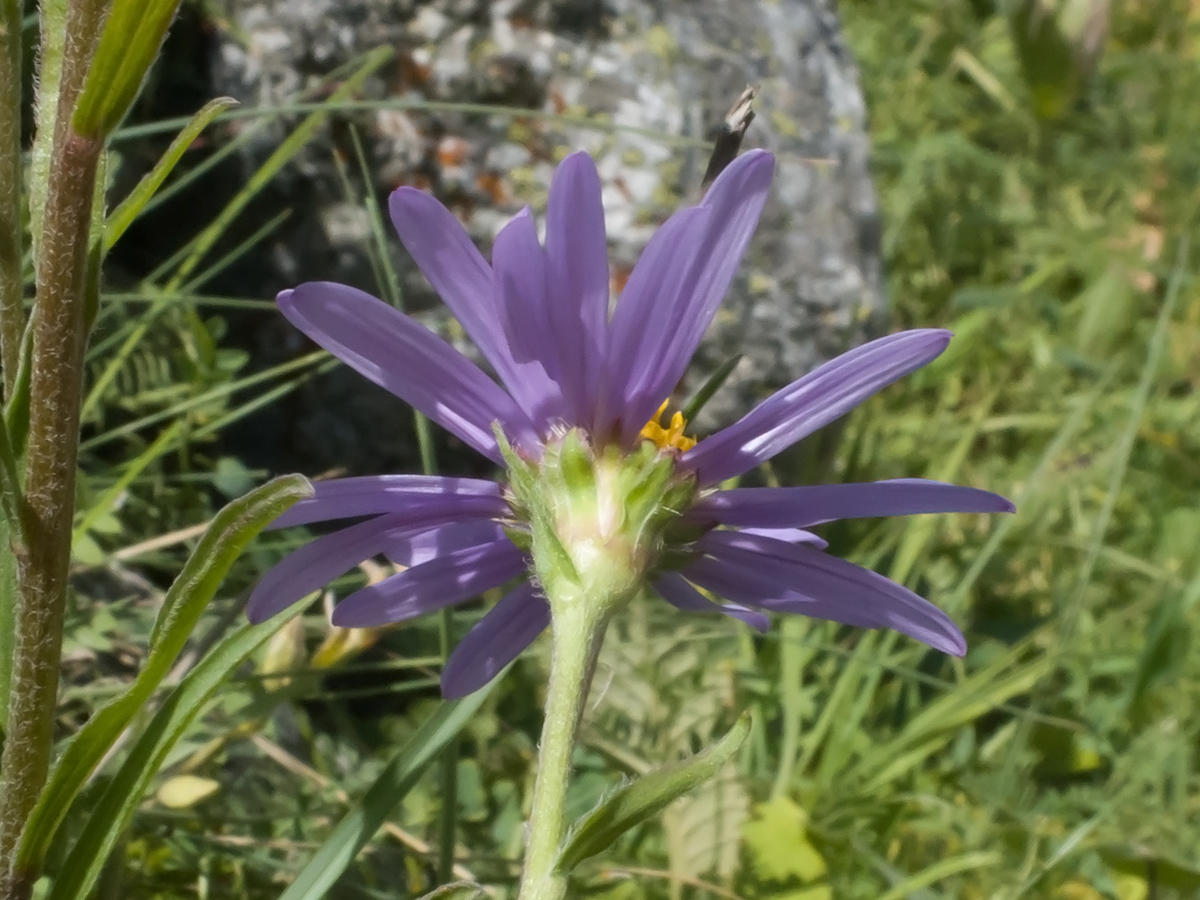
(122, 217)
(647, 796)
(111, 813)
(396, 780)
(460, 890)
(231, 530)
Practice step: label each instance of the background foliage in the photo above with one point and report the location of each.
(1044, 217)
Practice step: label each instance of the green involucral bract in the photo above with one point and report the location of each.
(596, 517)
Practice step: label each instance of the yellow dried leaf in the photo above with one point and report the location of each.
(185, 791)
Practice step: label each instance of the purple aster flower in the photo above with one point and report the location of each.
(577, 386)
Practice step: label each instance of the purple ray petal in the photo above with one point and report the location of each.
(417, 546)
(406, 358)
(790, 535)
(317, 563)
(817, 503)
(495, 641)
(441, 582)
(449, 259)
(734, 203)
(345, 498)
(519, 269)
(577, 278)
(677, 591)
(823, 395)
(640, 322)
(780, 577)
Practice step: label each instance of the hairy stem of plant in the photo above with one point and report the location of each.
(577, 631)
(12, 315)
(42, 560)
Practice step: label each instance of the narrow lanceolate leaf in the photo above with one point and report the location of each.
(8, 600)
(636, 802)
(111, 813)
(710, 387)
(232, 529)
(122, 217)
(360, 825)
(129, 43)
(460, 890)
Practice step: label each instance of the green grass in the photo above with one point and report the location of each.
(1058, 760)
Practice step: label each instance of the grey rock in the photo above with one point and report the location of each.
(637, 83)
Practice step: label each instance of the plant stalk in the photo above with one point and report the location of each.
(12, 313)
(577, 631)
(53, 449)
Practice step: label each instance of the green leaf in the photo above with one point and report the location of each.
(401, 774)
(710, 387)
(460, 890)
(16, 408)
(232, 529)
(779, 846)
(8, 606)
(1048, 61)
(122, 217)
(111, 813)
(647, 796)
(129, 43)
(1107, 310)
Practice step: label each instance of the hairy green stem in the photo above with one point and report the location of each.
(577, 631)
(12, 315)
(53, 448)
(69, 32)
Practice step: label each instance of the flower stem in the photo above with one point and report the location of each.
(44, 551)
(577, 631)
(12, 314)
(50, 491)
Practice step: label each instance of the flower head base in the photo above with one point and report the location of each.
(600, 497)
(597, 518)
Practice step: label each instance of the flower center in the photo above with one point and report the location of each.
(671, 437)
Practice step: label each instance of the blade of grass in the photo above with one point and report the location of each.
(122, 217)
(272, 166)
(396, 780)
(107, 501)
(935, 724)
(940, 870)
(315, 359)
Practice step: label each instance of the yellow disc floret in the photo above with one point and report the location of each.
(671, 437)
